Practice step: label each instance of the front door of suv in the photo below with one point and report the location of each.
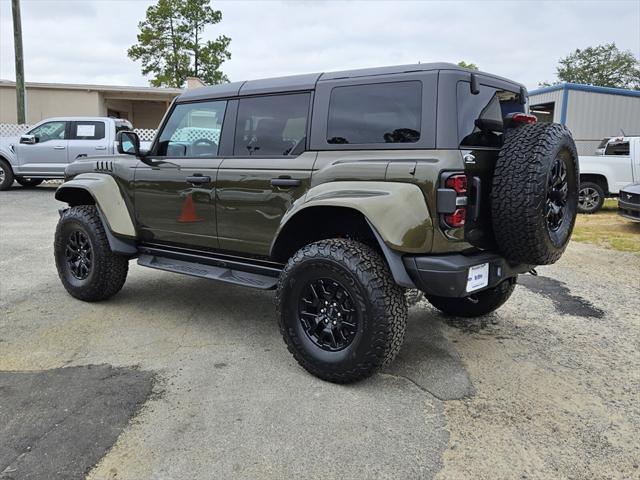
(174, 190)
(268, 171)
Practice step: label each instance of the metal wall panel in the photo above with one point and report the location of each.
(549, 97)
(592, 116)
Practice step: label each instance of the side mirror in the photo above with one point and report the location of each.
(128, 143)
(28, 139)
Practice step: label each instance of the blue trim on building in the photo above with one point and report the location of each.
(586, 88)
(565, 105)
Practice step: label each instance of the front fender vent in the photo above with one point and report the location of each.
(104, 166)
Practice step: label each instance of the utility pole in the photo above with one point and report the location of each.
(17, 45)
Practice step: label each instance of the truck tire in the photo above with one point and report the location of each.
(475, 305)
(590, 197)
(340, 312)
(29, 182)
(87, 267)
(6, 175)
(534, 197)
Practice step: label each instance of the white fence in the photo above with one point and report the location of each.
(15, 130)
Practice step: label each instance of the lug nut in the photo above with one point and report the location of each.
(334, 322)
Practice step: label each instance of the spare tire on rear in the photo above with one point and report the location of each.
(534, 196)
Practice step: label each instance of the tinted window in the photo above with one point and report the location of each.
(272, 125)
(50, 131)
(375, 113)
(617, 148)
(86, 130)
(480, 117)
(193, 130)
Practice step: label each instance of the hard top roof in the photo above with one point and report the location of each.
(308, 82)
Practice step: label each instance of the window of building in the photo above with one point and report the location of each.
(375, 113)
(193, 130)
(271, 125)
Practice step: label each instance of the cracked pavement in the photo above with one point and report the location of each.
(544, 388)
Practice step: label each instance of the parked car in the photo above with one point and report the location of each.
(46, 149)
(602, 176)
(340, 190)
(629, 202)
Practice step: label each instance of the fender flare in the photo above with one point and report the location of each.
(111, 206)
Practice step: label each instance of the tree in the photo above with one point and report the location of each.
(603, 65)
(171, 44)
(470, 66)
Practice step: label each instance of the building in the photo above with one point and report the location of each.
(591, 113)
(142, 106)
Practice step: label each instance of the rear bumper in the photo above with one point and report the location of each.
(447, 275)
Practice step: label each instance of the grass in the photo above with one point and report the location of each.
(608, 229)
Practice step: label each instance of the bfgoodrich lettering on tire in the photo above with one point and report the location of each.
(534, 196)
(89, 270)
(339, 310)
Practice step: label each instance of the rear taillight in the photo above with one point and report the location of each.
(457, 183)
(452, 200)
(522, 118)
(457, 218)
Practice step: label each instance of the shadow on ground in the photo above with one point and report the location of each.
(58, 423)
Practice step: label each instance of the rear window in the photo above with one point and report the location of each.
(375, 113)
(88, 130)
(617, 148)
(480, 117)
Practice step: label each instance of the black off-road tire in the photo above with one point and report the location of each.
(380, 304)
(6, 175)
(29, 182)
(524, 187)
(108, 270)
(588, 188)
(477, 305)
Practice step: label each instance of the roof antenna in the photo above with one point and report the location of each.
(474, 84)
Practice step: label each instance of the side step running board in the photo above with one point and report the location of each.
(211, 272)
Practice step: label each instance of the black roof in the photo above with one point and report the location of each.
(304, 82)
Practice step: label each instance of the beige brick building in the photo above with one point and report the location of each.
(142, 106)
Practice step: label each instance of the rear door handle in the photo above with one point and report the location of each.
(101, 147)
(59, 147)
(285, 182)
(198, 179)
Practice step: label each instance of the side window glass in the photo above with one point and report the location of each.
(49, 131)
(480, 117)
(375, 113)
(87, 130)
(617, 148)
(271, 125)
(193, 130)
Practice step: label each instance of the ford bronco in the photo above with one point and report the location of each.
(339, 190)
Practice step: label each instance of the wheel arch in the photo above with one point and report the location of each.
(320, 222)
(596, 178)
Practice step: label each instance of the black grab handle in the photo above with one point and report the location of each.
(196, 179)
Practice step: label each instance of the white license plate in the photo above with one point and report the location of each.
(478, 277)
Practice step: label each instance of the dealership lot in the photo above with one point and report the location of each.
(545, 388)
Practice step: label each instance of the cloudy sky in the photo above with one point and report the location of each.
(85, 41)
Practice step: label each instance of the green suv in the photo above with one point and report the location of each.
(339, 190)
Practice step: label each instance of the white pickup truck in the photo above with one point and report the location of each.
(46, 149)
(603, 176)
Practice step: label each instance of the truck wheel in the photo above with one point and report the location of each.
(29, 182)
(89, 270)
(340, 312)
(590, 197)
(534, 197)
(475, 305)
(6, 175)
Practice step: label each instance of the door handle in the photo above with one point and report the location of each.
(101, 147)
(198, 179)
(285, 181)
(59, 147)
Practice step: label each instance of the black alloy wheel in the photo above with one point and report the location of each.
(327, 314)
(79, 254)
(557, 194)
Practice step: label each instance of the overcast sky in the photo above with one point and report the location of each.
(84, 41)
